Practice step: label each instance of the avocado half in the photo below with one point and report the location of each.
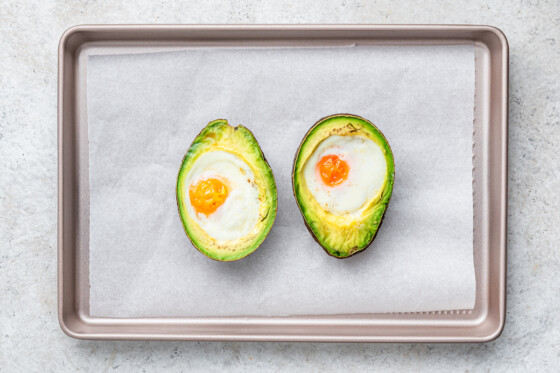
(218, 135)
(342, 236)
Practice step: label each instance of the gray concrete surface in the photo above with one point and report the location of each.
(30, 338)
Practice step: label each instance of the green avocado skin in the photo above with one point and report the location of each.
(220, 135)
(347, 239)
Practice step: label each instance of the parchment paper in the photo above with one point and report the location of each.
(144, 110)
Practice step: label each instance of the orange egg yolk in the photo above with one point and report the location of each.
(332, 169)
(207, 195)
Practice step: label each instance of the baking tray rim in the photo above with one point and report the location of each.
(79, 325)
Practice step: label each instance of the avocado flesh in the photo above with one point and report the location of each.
(342, 235)
(219, 135)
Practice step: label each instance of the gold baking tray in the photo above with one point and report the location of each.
(483, 323)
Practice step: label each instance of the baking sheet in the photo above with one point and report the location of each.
(144, 110)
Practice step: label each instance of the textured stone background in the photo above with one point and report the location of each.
(30, 338)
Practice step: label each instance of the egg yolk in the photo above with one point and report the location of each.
(207, 195)
(332, 169)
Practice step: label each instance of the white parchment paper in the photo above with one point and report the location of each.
(144, 110)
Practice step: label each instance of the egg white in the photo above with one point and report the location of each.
(366, 174)
(239, 214)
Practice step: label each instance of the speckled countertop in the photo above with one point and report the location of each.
(30, 337)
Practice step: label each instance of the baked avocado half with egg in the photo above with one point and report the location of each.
(343, 178)
(226, 192)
